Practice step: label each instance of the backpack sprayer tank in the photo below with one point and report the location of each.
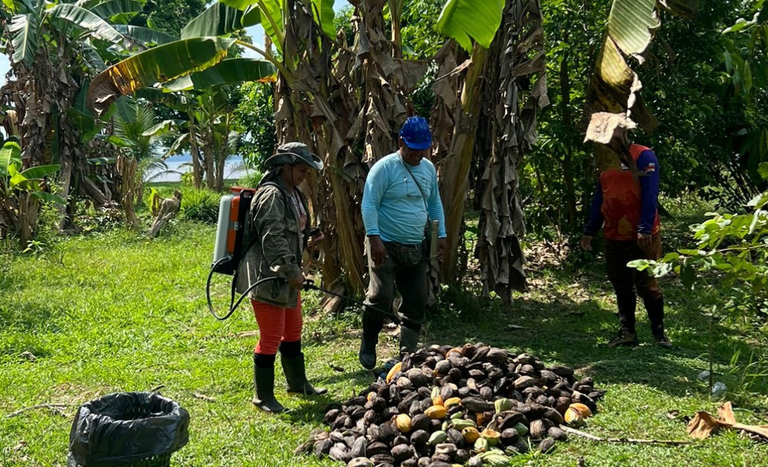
(233, 215)
(229, 250)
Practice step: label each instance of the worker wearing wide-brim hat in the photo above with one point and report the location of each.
(278, 231)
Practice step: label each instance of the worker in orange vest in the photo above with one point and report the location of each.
(625, 206)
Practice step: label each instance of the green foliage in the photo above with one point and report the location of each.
(14, 180)
(169, 16)
(251, 179)
(98, 220)
(417, 27)
(255, 121)
(200, 205)
(465, 20)
(731, 249)
(556, 179)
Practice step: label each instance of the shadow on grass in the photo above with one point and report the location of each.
(558, 329)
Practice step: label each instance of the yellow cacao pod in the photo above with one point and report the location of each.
(436, 411)
(395, 370)
(403, 423)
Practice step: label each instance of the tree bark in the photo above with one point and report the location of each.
(195, 152)
(126, 167)
(454, 172)
(29, 208)
(169, 208)
(565, 90)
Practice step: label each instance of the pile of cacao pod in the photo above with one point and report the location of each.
(444, 406)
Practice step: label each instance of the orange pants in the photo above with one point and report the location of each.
(276, 325)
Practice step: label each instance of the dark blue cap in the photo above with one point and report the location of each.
(416, 134)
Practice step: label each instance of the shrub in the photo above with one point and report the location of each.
(251, 179)
(200, 205)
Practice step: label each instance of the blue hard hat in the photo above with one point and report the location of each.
(416, 134)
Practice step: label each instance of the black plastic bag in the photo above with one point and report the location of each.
(127, 428)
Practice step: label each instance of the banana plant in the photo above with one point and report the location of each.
(614, 86)
(52, 47)
(14, 179)
(21, 192)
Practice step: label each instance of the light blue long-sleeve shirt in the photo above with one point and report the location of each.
(393, 207)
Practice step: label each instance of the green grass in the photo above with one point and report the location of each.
(116, 312)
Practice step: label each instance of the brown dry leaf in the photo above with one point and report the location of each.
(725, 414)
(702, 425)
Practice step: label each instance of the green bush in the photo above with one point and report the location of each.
(200, 205)
(251, 179)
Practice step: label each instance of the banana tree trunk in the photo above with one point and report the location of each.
(454, 171)
(518, 58)
(195, 152)
(127, 168)
(29, 209)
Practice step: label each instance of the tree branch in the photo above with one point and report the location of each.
(54, 407)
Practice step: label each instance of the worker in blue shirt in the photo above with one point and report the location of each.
(401, 196)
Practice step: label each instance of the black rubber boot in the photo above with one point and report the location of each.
(296, 376)
(625, 338)
(409, 339)
(264, 384)
(371, 329)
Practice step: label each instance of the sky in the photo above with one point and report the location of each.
(256, 32)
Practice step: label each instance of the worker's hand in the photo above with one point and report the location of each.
(378, 252)
(586, 243)
(297, 283)
(644, 240)
(442, 248)
(314, 240)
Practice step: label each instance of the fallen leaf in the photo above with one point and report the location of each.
(725, 414)
(673, 414)
(702, 426)
(760, 430)
(29, 356)
(515, 327)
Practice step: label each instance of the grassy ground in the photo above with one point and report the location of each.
(115, 312)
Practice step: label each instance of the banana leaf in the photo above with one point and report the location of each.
(231, 71)
(87, 20)
(464, 20)
(631, 24)
(41, 171)
(49, 197)
(220, 19)
(23, 31)
(322, 11)
(145, 36)
(155, 66)
(10, 155)
(111, 8)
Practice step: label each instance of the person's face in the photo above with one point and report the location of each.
(295, 174)
(412, 156)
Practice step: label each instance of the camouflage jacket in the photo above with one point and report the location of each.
(273, 231)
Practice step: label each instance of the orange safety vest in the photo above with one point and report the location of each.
(622, 200)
